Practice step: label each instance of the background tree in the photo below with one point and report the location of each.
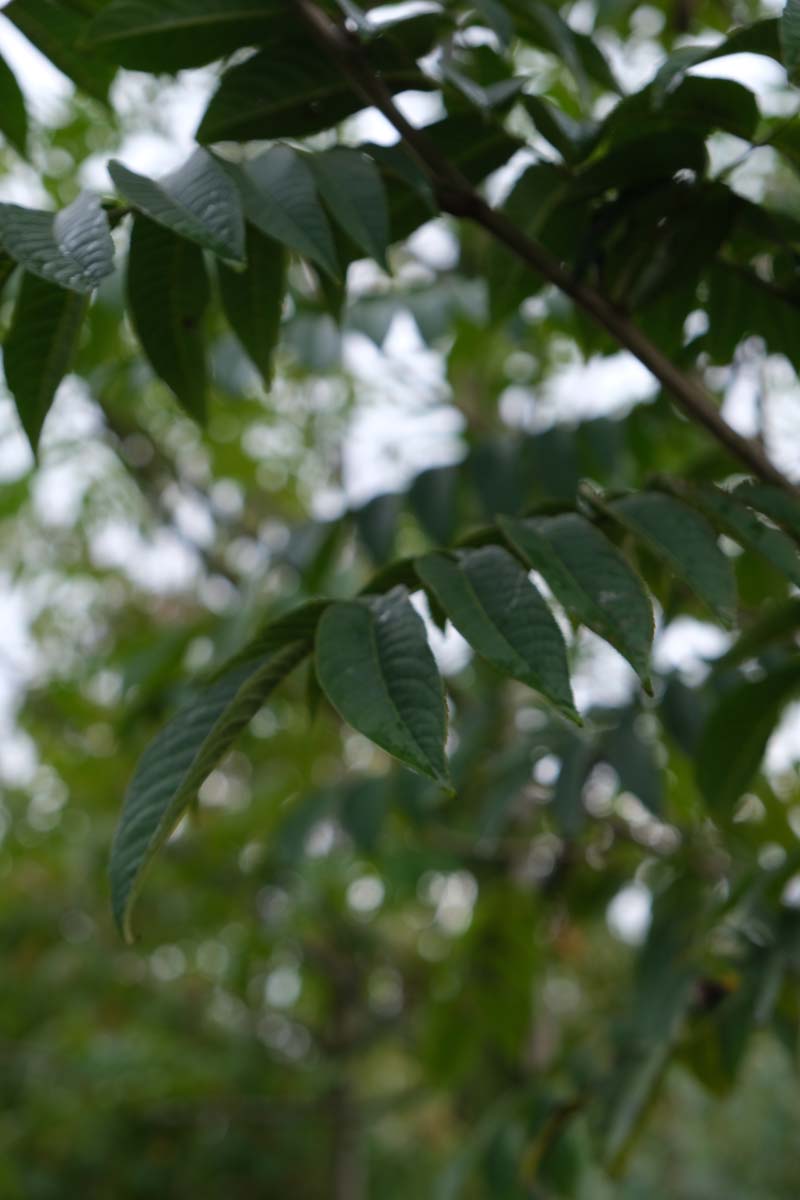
(574, 903)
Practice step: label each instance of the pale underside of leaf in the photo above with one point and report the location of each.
(71, 248)
(199, 201)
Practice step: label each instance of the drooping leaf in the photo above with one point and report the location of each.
(591, 579)
(198, 201)
(253, 298)
(174, 766)
(736, 735)
(635, 761)
(376, 668)
(685, 541)
(291, 90)
(72, 248)
(352, 188)
(280, 198)
(57, 27)
(739, 522)
(543, 26)
(169, 35)
(13, 115)
(778, 624)
(168, 292)
(573, 139)
(492, 603)
(39, 348)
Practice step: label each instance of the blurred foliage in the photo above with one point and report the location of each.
(571, 978)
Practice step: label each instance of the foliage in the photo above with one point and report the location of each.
(395, 936)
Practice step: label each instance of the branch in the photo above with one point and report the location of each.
(457, 196)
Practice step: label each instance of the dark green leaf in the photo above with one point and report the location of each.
(291, 90)
(198, 201)
(280, 198)
(72, 248)
(736, 735)
(686, 542)
(57, 28)
(376, 668)
(168, 292)
(739, 522)
(376, 522)
(253, 298)
(790, 39)
(591, 579)
(492, 603)
(352, 188)
(13, 115)
(433, 496)
(758, 38)
(779, 506)
(177, 762)
(39, 348)
(168, 35)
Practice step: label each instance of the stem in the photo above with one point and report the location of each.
(457, 197)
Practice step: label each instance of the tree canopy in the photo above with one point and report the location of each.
(450, 863)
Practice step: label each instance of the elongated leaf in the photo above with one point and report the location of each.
(433, 497)
(39, 348)
(72, 248)
(168, 292)
(351, 186)
(199, 201)
(790, 39)
(778, 624)
(291, 90)
(759, 38)
(492, 603)
(176, 763)
(736, 735)
(779, 506)
(686, 542)
(253, 298)
(543, 26)
(168, 35)
(376, 668)
(13, 115)
(591, 579)
(280, 199)
(740, 523)
(56, 27)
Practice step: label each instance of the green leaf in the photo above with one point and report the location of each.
(433, 497)
(39, 348)
(57, 28)
(72, 248)
(686, 542)
(759, 38)
(591, 579)
(376, 522)
(376, 668)
(735, 737)
(168, 35)
(13, 115)
(168, 292)
(352, 188)
(790, 39)
(543, 26)
(253, 298)
(732, 516)
(779, 506)
(493, 604)
(573, 139)
(198, 201)
(174, 766)
(280, 198)
(291, 90)
(777, 624)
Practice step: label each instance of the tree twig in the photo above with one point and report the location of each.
(457, 197)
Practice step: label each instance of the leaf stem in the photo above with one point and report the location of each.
(457, 197)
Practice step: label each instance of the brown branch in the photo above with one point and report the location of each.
(457, 197)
